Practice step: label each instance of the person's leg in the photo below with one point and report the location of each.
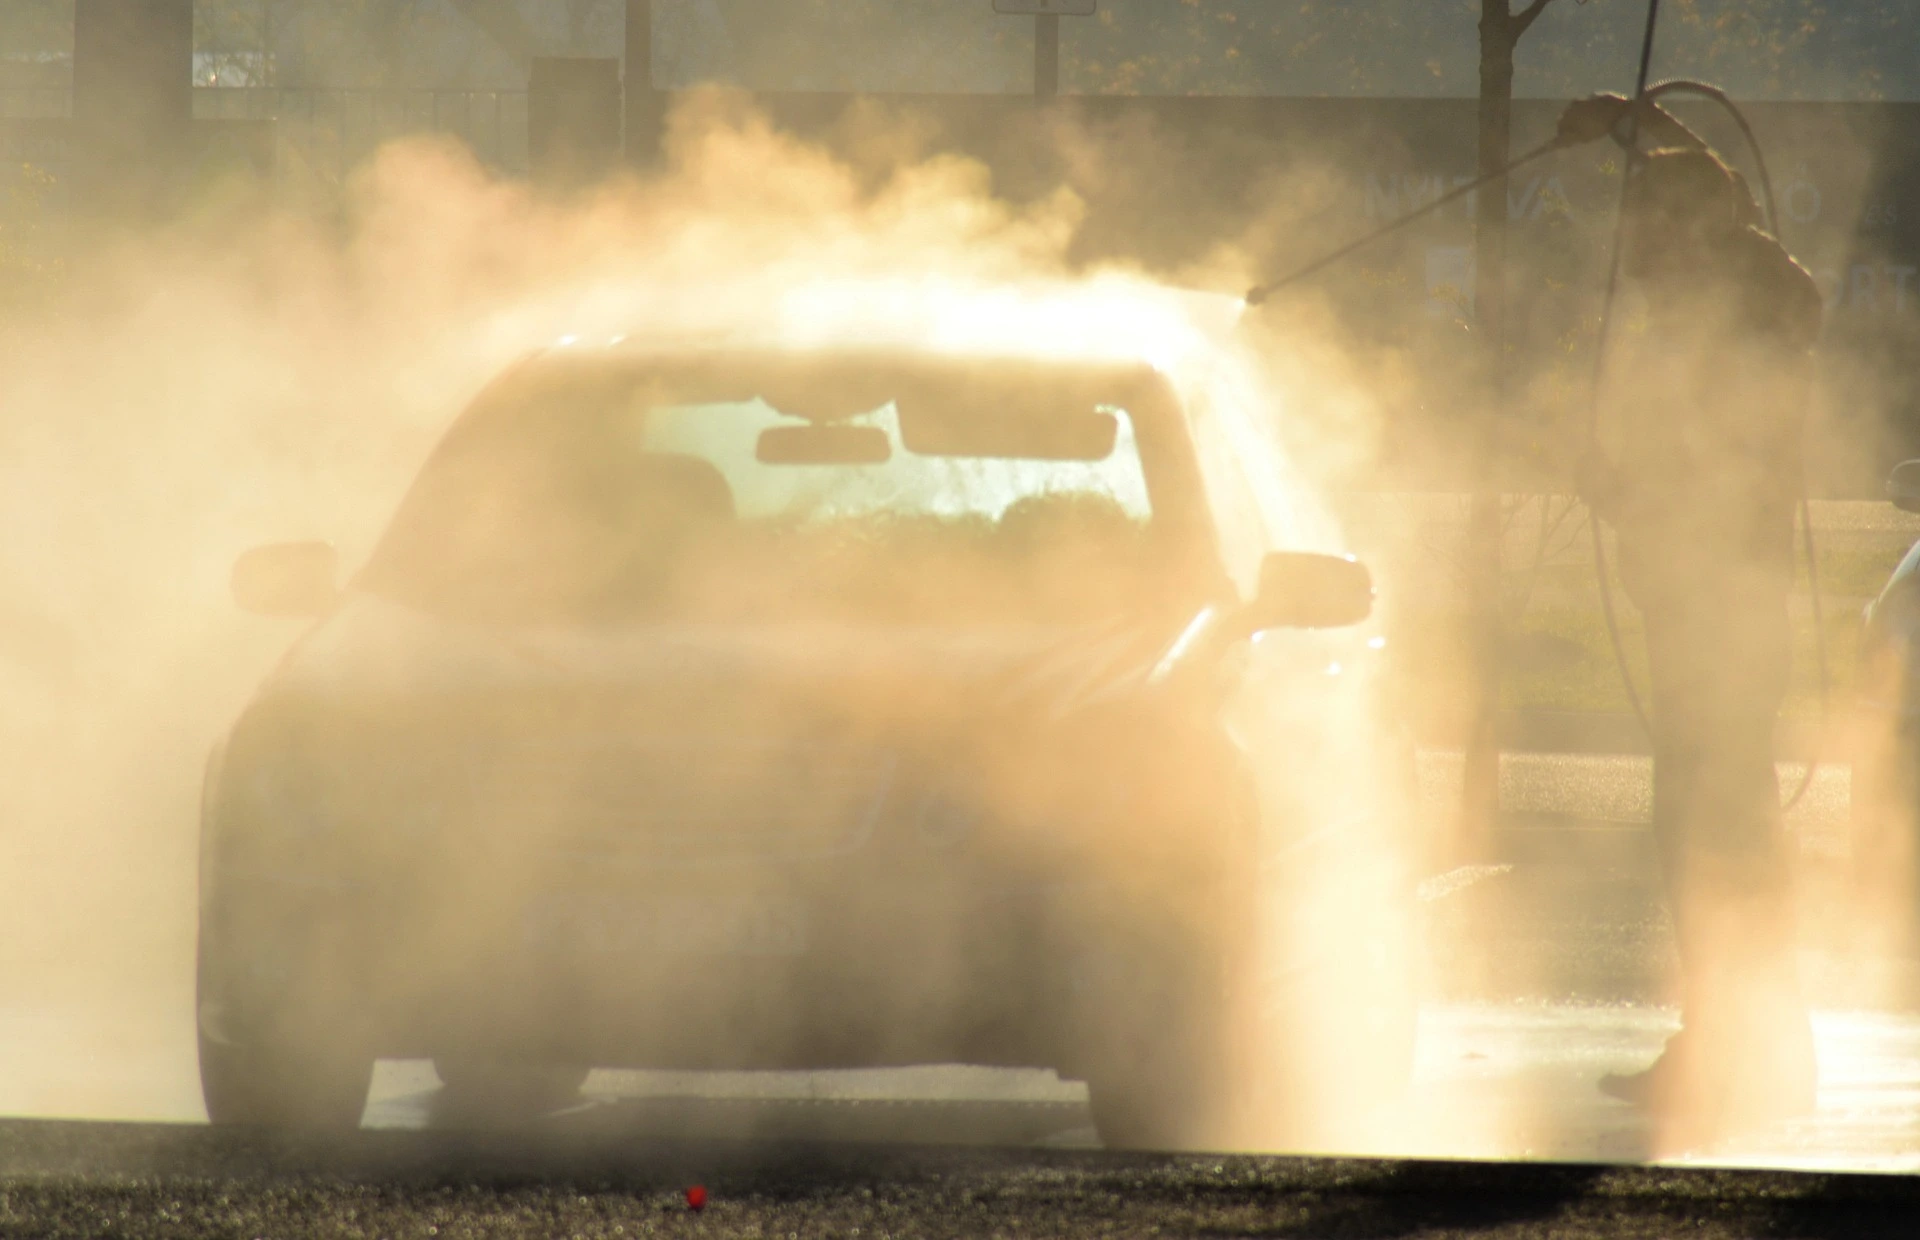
(1674, 697)
(1678, 693)
(1742, 887)
(1744, 1053)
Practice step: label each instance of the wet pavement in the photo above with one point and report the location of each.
(1545, 971)
(1548, 967)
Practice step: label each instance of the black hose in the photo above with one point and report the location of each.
(1600, 365)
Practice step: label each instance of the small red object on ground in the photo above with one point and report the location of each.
(696, 1198)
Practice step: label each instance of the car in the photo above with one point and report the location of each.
(739, 708)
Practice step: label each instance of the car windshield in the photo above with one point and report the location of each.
(616, 495)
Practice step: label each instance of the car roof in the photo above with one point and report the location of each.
(831, 383)
(717, 362)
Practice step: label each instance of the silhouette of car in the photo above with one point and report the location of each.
(758, 709)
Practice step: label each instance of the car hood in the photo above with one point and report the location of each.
(373, 651)
(684, 737)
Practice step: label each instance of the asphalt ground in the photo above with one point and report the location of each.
(76, 1180)
(1548, 967)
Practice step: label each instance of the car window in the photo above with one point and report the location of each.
(907, 483)
(600, 502)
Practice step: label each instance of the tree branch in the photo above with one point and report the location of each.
(1527, 16)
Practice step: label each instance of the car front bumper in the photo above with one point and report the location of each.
(791, 970)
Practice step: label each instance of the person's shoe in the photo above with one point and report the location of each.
(1640, 1089)
(1655, 1087)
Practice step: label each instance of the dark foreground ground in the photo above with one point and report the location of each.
(93, 1179)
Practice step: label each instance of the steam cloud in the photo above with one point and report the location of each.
(248, 376)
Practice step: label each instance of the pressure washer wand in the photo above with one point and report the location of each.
(1261, 292)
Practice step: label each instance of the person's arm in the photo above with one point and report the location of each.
(1607, 115)
(1645, 125)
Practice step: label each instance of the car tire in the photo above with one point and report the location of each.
(1166, 1091)
(281, 1059)
(283, 1086)
(1203, 1055)
(1162, 1069)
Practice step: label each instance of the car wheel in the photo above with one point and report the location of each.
(1165, 1088)
(1167, 1062)
(283, 1086)
(280, 1059)
(1209, 1056)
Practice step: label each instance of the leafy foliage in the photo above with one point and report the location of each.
(29, 265)
(31, 28)
(1790, 49)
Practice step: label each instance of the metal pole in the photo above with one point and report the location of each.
(644, 106)
(132, 105)
(1046, 55)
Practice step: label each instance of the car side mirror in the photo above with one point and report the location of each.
(287, 579)
(1903, 486)
(1303, 590)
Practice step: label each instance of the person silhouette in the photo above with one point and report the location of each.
(1702, 499)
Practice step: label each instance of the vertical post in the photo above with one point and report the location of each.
(1480, 788)
(644, 106)
(132, 103)
(1046, 55)
(269, 72)
(1046, 35)
(573, 119)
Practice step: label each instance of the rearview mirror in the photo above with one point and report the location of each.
(1302, 590)
(827, 443)
(287, 579)
(1903, 486)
